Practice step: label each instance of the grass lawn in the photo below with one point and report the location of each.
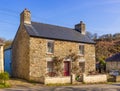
(4, 85)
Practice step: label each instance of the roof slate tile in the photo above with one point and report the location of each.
(56, 32)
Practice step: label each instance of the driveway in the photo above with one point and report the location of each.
(103, 87)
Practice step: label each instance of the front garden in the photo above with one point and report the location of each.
(4, 77)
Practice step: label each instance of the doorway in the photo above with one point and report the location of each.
(66, 68)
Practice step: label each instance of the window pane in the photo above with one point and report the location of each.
(81, 49)
(50, 66)
(50, 47)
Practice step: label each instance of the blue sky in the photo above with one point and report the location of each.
(100, 16)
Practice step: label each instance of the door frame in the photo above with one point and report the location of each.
(67, 71)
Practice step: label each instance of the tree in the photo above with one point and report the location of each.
(7, 43)
(91, 36)
(2, 40)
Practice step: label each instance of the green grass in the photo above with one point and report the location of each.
(4, 85)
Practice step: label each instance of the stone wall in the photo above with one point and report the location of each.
(94, 78)
(90, 58)
(37, 59)
(38, 56)
(20, 54)
(1, 59)
(112, 65)
(117, 78)
(57, 80)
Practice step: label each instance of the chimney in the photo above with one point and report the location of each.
(25, 17)
(80, 28)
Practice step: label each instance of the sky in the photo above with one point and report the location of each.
(100, 16)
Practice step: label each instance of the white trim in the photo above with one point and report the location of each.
(67, 59)
(81, 60)
(49, 59)
(79, 49)
(81, 44)
(48, 40)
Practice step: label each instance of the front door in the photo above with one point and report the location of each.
(66, 68)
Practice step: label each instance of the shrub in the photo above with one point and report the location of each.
(4, 76)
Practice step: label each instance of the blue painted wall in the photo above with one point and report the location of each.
(7, 60)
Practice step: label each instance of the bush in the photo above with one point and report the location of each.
(4, 76)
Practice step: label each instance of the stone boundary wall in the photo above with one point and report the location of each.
(117, 78)
(94, 78)
(57, 80)
(112, 65)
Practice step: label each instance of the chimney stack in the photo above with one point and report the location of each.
(25, 17)
(80, 28)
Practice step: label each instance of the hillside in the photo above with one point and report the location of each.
(107, 47)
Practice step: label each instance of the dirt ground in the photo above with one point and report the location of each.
(23, 83)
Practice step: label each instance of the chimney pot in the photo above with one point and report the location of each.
(80, 27)
(25, 17)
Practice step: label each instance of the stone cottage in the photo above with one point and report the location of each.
(47, 53)
(1, 57)
(113, 62)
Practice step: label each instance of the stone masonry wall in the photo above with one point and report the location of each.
(20, 54)
(38, 56)
(94, 78)
(37, 59)
(90, 58)
(112, 65)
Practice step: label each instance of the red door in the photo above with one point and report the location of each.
(66, 68)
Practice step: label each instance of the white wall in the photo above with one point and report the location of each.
(57, 80)
(1, 59)
(94, 78)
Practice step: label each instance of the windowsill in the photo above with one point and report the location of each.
(49, 53)
(80, 55)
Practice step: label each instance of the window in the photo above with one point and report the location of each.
(81, 49)
(49, 66)
(82, 67)
(50, 46)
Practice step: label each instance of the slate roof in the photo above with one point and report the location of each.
(56, 32)
(115, 57)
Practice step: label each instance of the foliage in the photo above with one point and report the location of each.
(92, 36)
(110, 36)
(106, 48)
(58, 64)
(4, 76)
(2, 40)
(4, 85)
(7, 44)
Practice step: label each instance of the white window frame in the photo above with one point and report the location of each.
(81, 52)
(47, 50)
(50, 69)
